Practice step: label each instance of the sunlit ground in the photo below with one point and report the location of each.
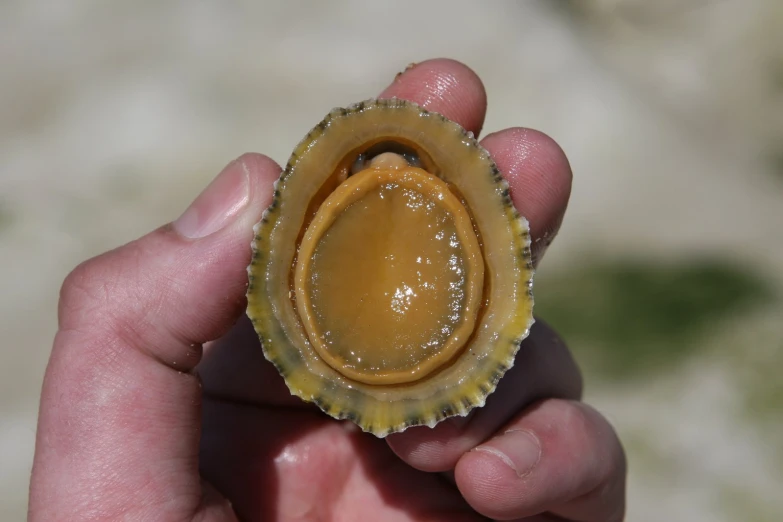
(666, 279)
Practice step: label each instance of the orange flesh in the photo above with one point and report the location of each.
(389, 275)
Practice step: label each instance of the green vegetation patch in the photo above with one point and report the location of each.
(6, 216)
(628, 317)
(775, 160)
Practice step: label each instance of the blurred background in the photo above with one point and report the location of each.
(667, 277)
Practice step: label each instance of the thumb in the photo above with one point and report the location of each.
(119, 418)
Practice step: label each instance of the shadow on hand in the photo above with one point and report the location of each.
(275, 457)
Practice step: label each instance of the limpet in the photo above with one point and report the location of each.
(391, 277)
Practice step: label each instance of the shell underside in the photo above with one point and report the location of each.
(506, 318)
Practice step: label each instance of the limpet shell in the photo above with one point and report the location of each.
(391, 277)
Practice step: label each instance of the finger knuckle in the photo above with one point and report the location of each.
(85, 293)
(605, 437)
(576, 420)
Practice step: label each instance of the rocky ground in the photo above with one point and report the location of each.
(113, 116)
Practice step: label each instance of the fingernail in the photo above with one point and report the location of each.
(407, 68)
(519, 449)
(217, 205)
(541, 244)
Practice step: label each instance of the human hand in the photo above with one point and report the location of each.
(127, 432)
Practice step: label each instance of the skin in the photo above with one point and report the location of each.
(158, 404)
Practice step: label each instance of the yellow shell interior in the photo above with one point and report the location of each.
(391, 275)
